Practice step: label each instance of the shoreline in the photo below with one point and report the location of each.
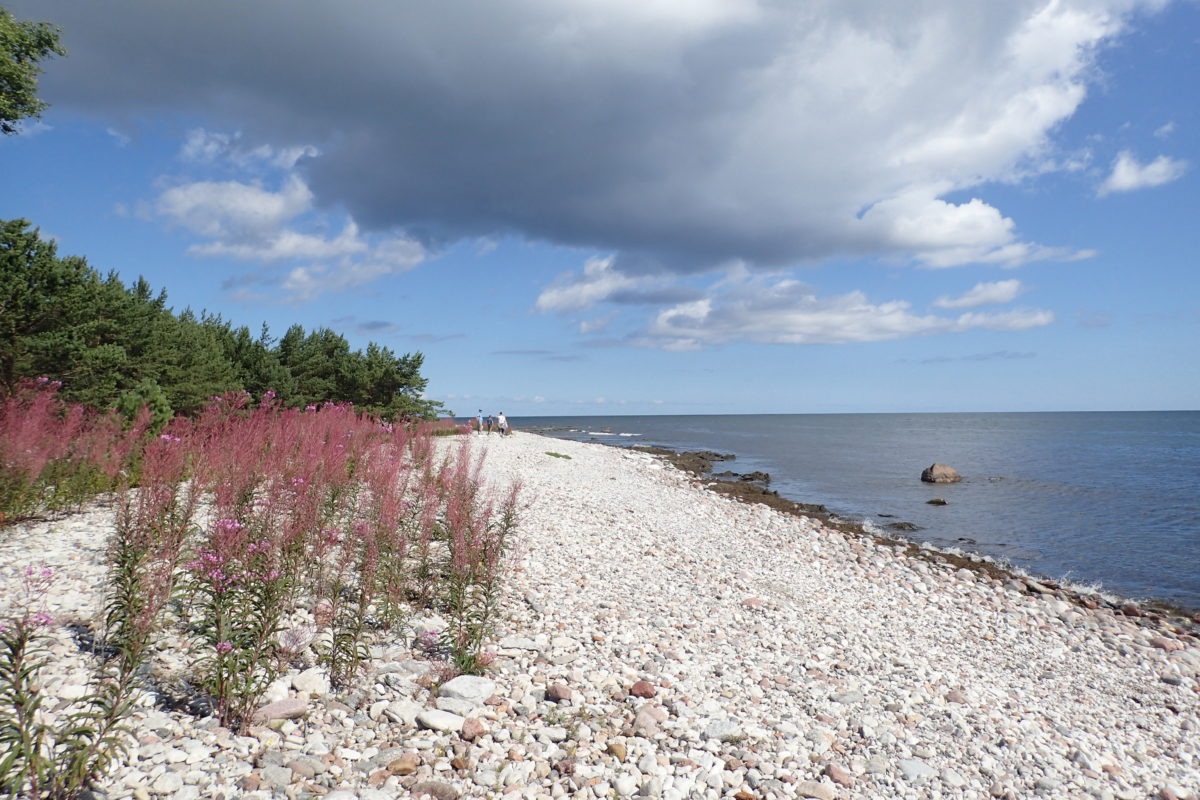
(1152, 609)
(657, 639)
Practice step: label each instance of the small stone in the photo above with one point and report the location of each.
(167, 783)
(289, 708)
(404, 765)
(472, 729)
(460, 763)
(442, 721)
(72, 692)
(555, 733)
(617, 750)
(915, 771)
(435, 789)
(315, 681)
(952, 777)
(402, 711)
(723, 730)
(558, 693)
(876, 765)
(752, 603)
(250, 783)
(279, 776)
(302, 768)
(817, 791)
(1163, 643)
(454, 705)
(625, 785)
(955, 696)
(838, 775)
(471, 688)
(1046, 784)
(643, 689)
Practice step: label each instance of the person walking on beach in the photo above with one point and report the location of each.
(489, 424)
(479, 419)
(502, 422)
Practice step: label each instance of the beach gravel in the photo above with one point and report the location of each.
(659, 640)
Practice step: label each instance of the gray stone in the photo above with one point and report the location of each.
(723, 730)
(442, 721)
(471, 688)
(818, 791)
(167, 783)
(438, 790)
(952, 777)
(518, 643)
(403, 711)
(279, 776)
(651, 788)
(626, 785)
(455, 706)
(915, 771)
(315, 681)
(289, 708)
(940, 473)
(555, 733)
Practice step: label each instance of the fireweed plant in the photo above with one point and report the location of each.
(56, 456)
(268, 536)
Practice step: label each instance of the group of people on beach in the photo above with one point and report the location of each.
(500, 422)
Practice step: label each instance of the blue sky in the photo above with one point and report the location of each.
(663, 206)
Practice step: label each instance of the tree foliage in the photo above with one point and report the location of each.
(122, 346)
(23, 45)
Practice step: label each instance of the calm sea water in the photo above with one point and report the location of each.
(1108, 498)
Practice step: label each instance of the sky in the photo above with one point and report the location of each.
(653, 206)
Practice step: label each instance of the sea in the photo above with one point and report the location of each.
(1106, 500)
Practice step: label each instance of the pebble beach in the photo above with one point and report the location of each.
(660, 640)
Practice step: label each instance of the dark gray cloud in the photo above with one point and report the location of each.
(682, 134)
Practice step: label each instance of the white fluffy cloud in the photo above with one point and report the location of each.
(789, 312)
(1128, 174)
(248, 221)
(679, 134)
(983, 294)
(596, 283)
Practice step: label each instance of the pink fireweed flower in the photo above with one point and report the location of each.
(166, 437)
(272, 575)
(268, 395)
(298, 481)
(41, 620)
(224, 648)
(428, 640)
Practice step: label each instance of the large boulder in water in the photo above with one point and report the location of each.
(940, 473)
